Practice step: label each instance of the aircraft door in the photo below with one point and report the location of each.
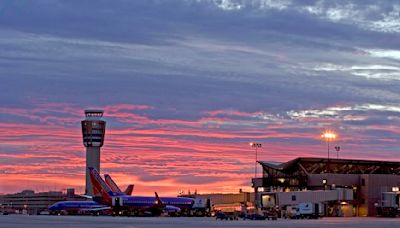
(117, 201)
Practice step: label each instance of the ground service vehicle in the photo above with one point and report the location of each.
(226, 216)
(201, 207)
(305, 210)
(389, 205)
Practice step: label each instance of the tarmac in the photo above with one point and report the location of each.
(191, 222)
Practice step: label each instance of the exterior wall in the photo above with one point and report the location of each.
(346, 210)
(339, 180)
(296, 197)
(32, 202)
(375, 184)
(370, 187)
(363, 196)
(342, 180)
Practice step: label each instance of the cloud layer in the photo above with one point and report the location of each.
(186, 84)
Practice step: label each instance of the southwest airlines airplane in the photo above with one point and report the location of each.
(122, 202)
(108, 196)
(74, 207)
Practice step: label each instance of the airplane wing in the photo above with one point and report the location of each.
(171, 209)
(86, 196)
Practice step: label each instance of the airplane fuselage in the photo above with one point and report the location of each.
(148, 201)
(76, 206)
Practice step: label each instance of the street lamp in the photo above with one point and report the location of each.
(324, 183)
(337, 148)
(328, 136)
(255, 145)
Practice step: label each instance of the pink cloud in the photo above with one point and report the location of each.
(162, 153)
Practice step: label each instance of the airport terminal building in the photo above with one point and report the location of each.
(344, 187)
(32, 203)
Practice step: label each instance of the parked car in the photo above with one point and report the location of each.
(255, 217)
(221, 215)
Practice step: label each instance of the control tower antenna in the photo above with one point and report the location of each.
(93, 132)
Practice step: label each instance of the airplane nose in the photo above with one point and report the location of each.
(52, 208)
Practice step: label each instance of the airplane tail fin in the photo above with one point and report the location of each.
(111, 183)
(158, 200)
(98, 184)
(129, 189)
(114, 187)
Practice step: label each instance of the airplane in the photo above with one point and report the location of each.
(74, 207)
(119, 201)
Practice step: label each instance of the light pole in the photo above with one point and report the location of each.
(337, 148)
(255, 145)
(328, 136)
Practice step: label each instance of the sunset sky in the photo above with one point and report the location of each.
(187, 84)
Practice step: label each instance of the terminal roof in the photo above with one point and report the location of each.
(312, 165)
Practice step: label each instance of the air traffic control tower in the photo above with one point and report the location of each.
(93, 131)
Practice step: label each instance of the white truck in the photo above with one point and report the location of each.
(389, 205)
(305, 210)
(201, 207)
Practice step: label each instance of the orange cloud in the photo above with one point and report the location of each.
(210, 154)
